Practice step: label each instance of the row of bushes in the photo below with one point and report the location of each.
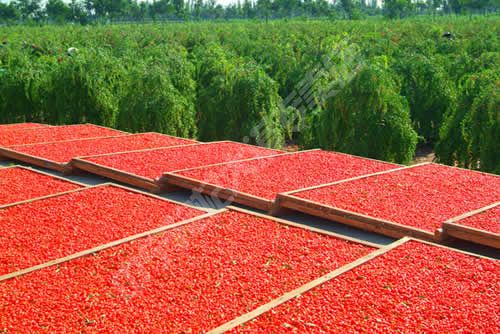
(370, 88)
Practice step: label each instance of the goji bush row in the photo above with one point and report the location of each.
(422, 196)
(488, 220)
(63, 152)
(152, 164)
(189, 279)
(52, 228)
(20, 184)
(54, 133)
(415, 288)
(267, 177)
(18, 126)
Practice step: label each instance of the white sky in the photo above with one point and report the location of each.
(223, 2)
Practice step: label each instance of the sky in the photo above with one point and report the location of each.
(222, 2)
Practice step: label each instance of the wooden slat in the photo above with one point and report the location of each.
(304, 288)
(216, 191)
(115, 174)
(32, 160)
(358, 220)
(453, 228)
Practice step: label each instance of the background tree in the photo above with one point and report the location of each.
(396, 9)
(29, 9)
(8, 12)
(57, 11)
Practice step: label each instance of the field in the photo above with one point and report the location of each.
(316, 122)
(373, 88)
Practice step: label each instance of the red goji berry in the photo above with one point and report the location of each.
(153, 163)
(269, 176)
(404, 290)
(20, 184)
(63, 152)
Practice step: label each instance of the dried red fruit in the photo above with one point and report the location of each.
(52, 228)
(54, 133)
(413, 288)
(63, 152)
(423, 196)
(267, 177)
(19, 184)
(189, 279)
(18, 126)
(152, 164)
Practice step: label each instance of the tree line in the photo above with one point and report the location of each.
(88, 11)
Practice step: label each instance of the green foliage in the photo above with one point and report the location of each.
(366, 117)
(263, 82)
(470, 136)
(429, 92)
(236, 100)
(160, 95)
(85, 87)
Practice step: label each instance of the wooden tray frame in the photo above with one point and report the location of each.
(453, 228)
(67, 167)
(173, 179)
(152, 185)
(365, 222)
(319, 281)
(161, 229)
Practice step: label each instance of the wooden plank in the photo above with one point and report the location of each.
(216, 191)
(453, 228)
(32, 160)
(304, 288)
(105, 246)
(471, 234)
(115, 174)
(354, 219)
(303, 226)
